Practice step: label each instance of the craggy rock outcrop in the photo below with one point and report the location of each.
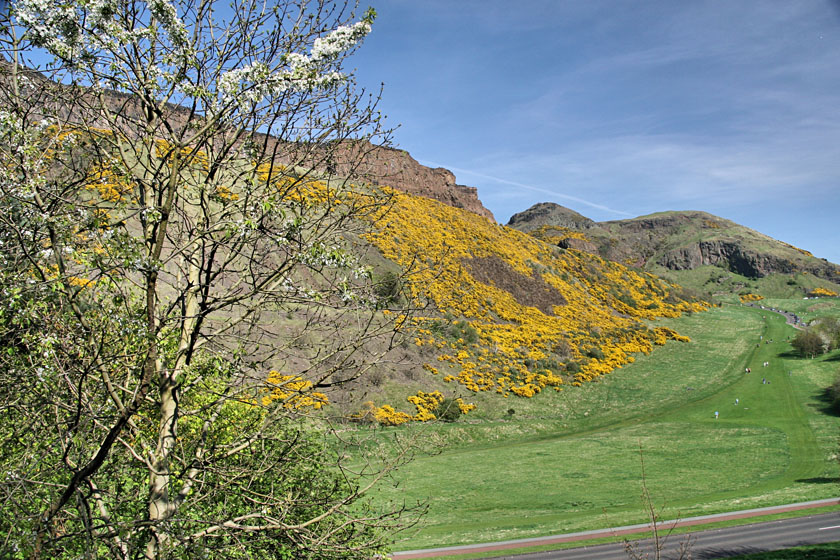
(730, 255)
(578, 245)
(678, 241)
(549, 213)
(396, 168)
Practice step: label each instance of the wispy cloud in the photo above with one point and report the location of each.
(552, 193)
(625, 109)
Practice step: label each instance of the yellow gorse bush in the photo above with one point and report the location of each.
(292, 392)
(425, 404)
(556, 234)
(823, 292)
(197, 158)
(605, 302)
(110, 186)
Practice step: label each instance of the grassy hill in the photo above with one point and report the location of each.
(508, 314)
(675, 244)
(571, 461)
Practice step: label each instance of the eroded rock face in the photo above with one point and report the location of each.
(399, 170)
(396, 168)
(730, 255)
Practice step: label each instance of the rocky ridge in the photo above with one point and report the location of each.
(396, 168)
(362, 160)
(674, 240)
(548, 213)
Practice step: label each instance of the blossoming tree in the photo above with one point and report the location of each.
(179, 286)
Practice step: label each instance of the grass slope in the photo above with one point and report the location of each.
(570, 461)
(715, 283)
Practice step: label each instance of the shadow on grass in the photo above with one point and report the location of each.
(828, 403)
(819, 480)
(795, 355)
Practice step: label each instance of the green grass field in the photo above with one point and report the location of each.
(570, 461)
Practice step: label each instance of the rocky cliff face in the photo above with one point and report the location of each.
(396, 168)
(731, 255)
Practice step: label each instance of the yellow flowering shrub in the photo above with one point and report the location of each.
(80, 282)
(556, 234)
(822, 292)
(387, 416)
(196, 158)
(746, 298)
(803, 251)
(224, 193)
(425, 404)
(589, 325)
(110, 186)
(292, 392)
(465, 407)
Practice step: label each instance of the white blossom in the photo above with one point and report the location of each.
(52, 25)
(251, 84)
(57, 25)
(339, 40)
(168, 18)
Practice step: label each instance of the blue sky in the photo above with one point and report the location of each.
(618, 109)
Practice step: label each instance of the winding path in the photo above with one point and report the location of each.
(791, 318)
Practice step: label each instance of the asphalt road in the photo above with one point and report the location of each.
(717, 543)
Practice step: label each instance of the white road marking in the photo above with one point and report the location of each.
(834, 527)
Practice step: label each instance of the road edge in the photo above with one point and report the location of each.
(614, 531)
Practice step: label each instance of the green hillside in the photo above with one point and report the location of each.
(571, 461)
(224, 334)
(676, 244)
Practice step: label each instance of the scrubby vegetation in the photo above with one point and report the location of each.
(822, 292)
(519, 314)
(822, 336)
